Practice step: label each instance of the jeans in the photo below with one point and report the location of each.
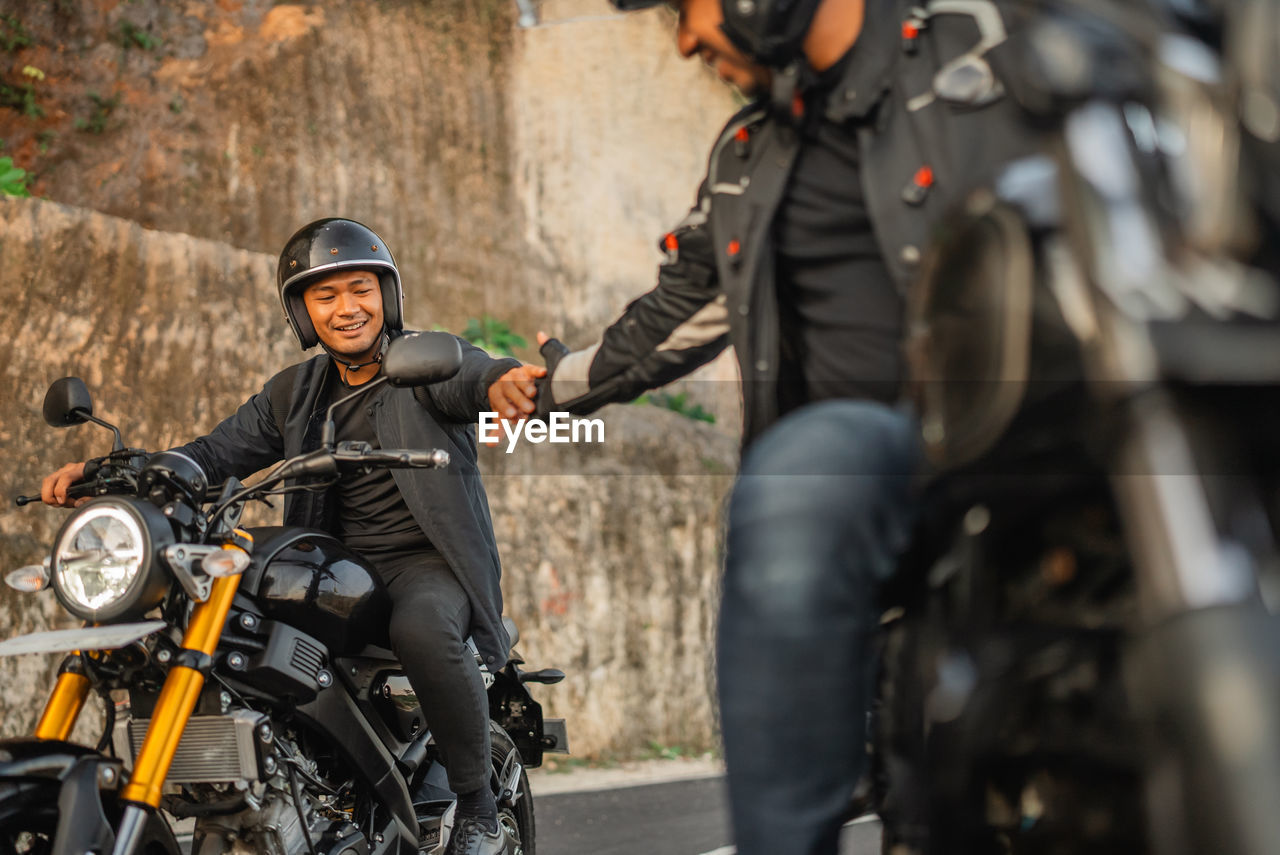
(430, 620)
(817, 519)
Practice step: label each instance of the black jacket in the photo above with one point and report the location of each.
(716, 285)
(450, 504)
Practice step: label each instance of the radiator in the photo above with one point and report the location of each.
(214, 748)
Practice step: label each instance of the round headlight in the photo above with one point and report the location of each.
(103, 566)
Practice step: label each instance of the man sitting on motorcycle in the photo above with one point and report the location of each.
(810, 224)
(427, 532)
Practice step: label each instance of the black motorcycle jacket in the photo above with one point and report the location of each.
(927, 137)
(450, 504)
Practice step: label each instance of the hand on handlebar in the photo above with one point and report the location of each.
(56, 490)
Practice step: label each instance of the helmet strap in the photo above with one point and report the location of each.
(348, 367)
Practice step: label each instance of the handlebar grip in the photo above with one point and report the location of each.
(437, 458)
(80, 489)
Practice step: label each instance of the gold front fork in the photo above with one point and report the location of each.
(65, 703)
(180, 693)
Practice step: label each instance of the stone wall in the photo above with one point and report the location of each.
(524, 174)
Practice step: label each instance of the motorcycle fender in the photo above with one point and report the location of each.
(87, 797)
(82, 820)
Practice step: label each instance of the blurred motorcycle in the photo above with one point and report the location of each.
(1081, 652)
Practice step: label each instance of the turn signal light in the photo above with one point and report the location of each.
(225, 562)
(29, 579)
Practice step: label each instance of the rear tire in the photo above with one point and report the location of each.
(516, 820)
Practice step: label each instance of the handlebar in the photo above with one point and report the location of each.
(323, 463)
(87, 487)
(396, 458)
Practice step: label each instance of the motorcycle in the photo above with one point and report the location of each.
(1081, 651)
(246, 674)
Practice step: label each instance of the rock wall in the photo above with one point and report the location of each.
(170, 332)
(525, 174)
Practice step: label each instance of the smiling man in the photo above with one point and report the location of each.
(427, 532)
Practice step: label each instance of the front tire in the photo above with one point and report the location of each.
(28, 817)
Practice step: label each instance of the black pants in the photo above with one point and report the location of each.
(430, 621)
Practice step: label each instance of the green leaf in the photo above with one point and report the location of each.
(13, 180)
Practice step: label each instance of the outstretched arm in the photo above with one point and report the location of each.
(677, 327)
(466, 394)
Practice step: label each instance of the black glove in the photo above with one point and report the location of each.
(552, 350)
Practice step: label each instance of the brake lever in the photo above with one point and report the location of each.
(349, 451)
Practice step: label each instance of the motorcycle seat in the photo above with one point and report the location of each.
(373, 651)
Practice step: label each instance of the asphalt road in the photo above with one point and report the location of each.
(680, 818)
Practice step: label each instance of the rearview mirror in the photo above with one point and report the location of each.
(67, 403)
(421, 358)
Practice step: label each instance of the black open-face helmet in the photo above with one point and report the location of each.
(768, 32)
(322, 247)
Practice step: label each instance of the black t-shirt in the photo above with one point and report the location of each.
(841, 314)
(372, 516)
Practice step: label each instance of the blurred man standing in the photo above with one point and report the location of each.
(808, 228)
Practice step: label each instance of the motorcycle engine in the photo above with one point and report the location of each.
(249, 781)
(290, 811)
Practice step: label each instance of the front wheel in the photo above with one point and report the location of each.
(30, 820)
(28, 817)
(515, 816)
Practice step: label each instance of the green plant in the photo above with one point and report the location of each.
(21, 98)
(129, 34)
(493, 335)
(658, 751)
(678, 403)
(13, 181)
(96, 123)
(12, 34)
(177, 104)
(45, 138)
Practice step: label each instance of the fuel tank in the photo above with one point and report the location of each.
(311, 581)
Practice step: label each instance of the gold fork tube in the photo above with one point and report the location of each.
(178, 697)
(64, 706)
